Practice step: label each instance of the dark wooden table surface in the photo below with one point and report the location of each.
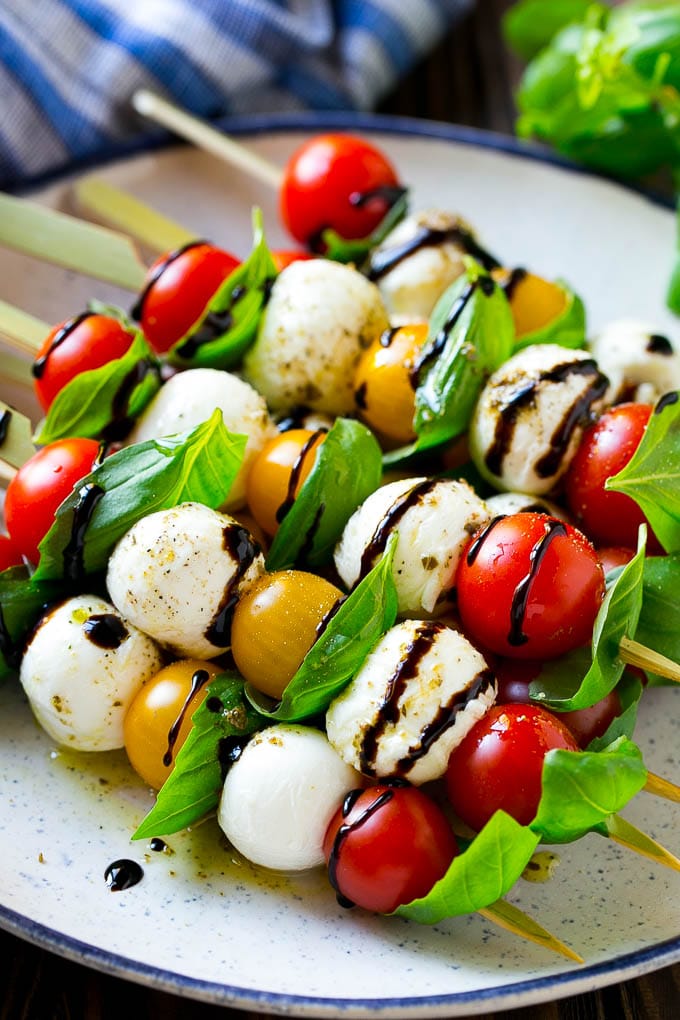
(469, 79)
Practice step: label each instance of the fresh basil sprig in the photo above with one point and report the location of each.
(228, 325)
(347, 469)
(22, 601)
(479, 876)
(364, 616)
(531, 24)
(568, 328)
(652, 475)
(580, 789)
(629, 690)
(193, 787)
(471, 333)
(342, 249)
(197, 466)
(104, 402)
(581, 678)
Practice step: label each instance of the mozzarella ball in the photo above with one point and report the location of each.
(82, 669)
(189, 398)
(177, 574)
(521, 502)
(434, 519)
(419, 692)
(280, 795)
(417, 261)
(641, 363)
(531, 414)
(320, 317)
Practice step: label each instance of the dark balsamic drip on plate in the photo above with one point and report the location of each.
(121, 422)
(105, 630)
(578, 413)
(244, 549)
(388, 711)
(553, 528)
(510, 282)
(446, 717)
(381, 535)
(213, 325)
(295, 473)
(659, 344)
(346, 828)
(137, 309)
(123, 874)
(383, 260)
(158, 845)
(88, 498)
(388, 193)
(435, 346)
(667, 400)
(5, 419)
(39, 365)
(198, 680)
(475, 546)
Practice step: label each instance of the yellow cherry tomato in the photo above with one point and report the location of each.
(278, 473)
(534, 302)
(384, 389)
(159, 719)
(275, 624)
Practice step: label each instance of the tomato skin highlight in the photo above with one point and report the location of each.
(610, 518)
(77, 345)
(498, 765)
(529, 587)
(386, 846)
(319, 180)
(41, 485)
(179, 286)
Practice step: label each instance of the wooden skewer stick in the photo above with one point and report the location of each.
(625, 833)
(635, 654)
(662, 787)
(514, 920)
(120, 210)
(206, 137)
(21, 331)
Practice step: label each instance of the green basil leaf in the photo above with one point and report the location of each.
(568, 329)
(347, 469)
(103, 402)
(342, 249)
(194, 786)
(16, 444)
(484, 872)
(228, 325)
(562, 684)
(197, 466)
(581, 788)
(350, 634)
(629, 690)
(22, 600)
(471, 333)
(659, 623)
(652, 475)
(531, 24)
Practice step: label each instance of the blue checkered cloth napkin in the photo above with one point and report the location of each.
(69, 67)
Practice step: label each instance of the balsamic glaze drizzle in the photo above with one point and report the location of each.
(121, 422)
(198, 680)
(383, 260)
(667, 400)
(5, 419)
(137, 309)
(105, 630)
(295, 473)
(475, 546)
(516, 635)
(213, 325)
(39, 365)
(240, 543)
(88, 498)
(659, 344)
(123, 874)
(346, 828)
(389, 193)
(380, 536)
(435, 346)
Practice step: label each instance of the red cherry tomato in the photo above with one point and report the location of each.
(498, 765)
(613, 556)
(9, 554)
(606, 447)
(40, 485)
(178, 287)
(328, 183)
(386, 846)
(80, 344)
(529, 586)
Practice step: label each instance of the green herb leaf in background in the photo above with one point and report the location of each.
(652, 475)
(531, 24)
(197, 466)
(580, 789)
(22, 600)
(104, 402)
(350, 634)
(562, 684)
(194, 786)
(228, 326)
(347, 469)
(479, 876)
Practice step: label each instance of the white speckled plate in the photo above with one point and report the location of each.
(206, 925)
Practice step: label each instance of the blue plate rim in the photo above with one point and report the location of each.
(532, 990)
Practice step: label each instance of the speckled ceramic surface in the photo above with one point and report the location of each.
(206, 924)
